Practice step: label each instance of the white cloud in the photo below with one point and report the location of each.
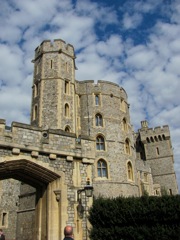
(132, 21)
(148, 71)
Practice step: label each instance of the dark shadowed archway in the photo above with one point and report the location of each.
(33, 213)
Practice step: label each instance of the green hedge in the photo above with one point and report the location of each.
(155, 218)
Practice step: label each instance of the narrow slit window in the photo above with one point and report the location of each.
(66, 87)
(97, 100)
(66, 110)
(157, 151)
(4, 219)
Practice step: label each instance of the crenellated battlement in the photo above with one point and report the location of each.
(102, 87)
(58, 45)
(25, 137)
(153, 134)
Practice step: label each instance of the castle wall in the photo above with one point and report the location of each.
(9, 192)
(53, 150)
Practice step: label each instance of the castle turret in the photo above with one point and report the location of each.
(53, 86)
(156, 148)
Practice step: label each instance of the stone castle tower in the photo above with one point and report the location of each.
(79, 130)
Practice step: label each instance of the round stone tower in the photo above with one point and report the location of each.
(103, 111)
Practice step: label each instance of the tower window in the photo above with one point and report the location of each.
(67, 129)
(130, 171)
(157, 151)
(35, 113)
(160, 138)
(4, 219)
(66, 110)
(102, 168)
(35, 89)
(127, 146)
(99, 120)
(66, 87)
(51, 64)
(124, 126)
(100, 145)
(97, 100)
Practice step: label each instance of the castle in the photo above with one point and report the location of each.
(80, 132)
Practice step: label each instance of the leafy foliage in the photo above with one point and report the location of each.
(156, 218)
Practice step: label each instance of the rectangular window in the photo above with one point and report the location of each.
(4, 219)
(97, 100)
(66, 87)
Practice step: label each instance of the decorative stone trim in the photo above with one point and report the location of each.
(86, 160)
(34, 154)
(69, 158)
(16, 151)
(52, 156)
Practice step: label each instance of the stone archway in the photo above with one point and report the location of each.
(46, 213)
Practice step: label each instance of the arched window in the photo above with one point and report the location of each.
(66, 110)
(102, 168)
(100, 145)
(130, 171)
(127, 146)
(148, 140)
(152, 139)
(160, 138)
(163, 136)
(156, 139)
(67, 129)
(99, 120)
(124, 126)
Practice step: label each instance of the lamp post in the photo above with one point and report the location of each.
(88, 189)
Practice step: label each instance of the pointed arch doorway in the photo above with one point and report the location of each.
(42, 221)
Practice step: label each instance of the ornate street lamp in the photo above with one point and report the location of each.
(88, 189)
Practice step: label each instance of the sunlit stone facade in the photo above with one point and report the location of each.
(79, 131)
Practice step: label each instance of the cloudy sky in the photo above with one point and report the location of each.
(133, 43)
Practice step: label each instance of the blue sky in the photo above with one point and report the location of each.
(133, 43)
